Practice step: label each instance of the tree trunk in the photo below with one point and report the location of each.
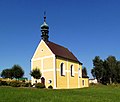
(110, 80)
(98, 80)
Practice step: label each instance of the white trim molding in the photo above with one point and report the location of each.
(45, 57)
(75, 72)
(54, 73)
(67, 76)
(78, 77)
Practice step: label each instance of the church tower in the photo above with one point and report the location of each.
(44, 30)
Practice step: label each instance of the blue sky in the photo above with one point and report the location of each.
(88, 28)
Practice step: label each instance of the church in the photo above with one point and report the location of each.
(59, 67)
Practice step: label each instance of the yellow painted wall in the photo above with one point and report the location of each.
(59, 61)
(42, 50)
(67, 81)
(61, 81)
(86, 82)
(48, 63)
(73, 81)
(48, 76)
(36, 64)
(43, 59)
(80, 82)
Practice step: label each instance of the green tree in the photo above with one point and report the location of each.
(118, 71)
(17, 71)
(112, 64)
(98, 68)
(36, 74)
(106, 73)
(7, 73)
(93, 73)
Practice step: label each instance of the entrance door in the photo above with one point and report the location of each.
(43, 80)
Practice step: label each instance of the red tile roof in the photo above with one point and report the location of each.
(61, 51)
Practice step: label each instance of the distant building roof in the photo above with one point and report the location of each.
(61, 51)
(93, 81)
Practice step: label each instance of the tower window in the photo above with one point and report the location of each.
(62, 69)
(72, 70)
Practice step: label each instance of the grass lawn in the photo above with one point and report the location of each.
(91, 94)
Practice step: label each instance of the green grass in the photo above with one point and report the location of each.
(91, 94)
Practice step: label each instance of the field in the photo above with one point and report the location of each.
(92, 94)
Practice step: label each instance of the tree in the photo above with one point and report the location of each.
(35, 73)
(84, 72)
(97, 70)
(112, 64)
(93, 73)
(7, 73)
(118, 71)
(17, 71)
(107, 71)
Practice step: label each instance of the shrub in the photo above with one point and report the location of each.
(50, 87)
(23, 84)
(15, 84)
(8, 83)
(0, 83)
(4, 83)
(39, 85)
(27, 84)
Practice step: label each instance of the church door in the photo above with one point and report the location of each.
(43, 80)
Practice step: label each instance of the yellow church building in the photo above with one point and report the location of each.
(59, 67)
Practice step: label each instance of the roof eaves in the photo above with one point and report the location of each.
(70, 59)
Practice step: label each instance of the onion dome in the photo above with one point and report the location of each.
(44, 30)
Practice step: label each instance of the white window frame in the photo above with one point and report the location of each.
(62, 69)
(79, 73)
(72, 71)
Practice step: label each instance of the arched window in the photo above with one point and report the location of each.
(72, 70)
(62, 69)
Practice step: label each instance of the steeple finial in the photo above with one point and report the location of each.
(44, 16)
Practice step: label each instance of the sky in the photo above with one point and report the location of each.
(88, 28)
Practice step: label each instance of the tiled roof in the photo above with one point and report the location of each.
(61, 51)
